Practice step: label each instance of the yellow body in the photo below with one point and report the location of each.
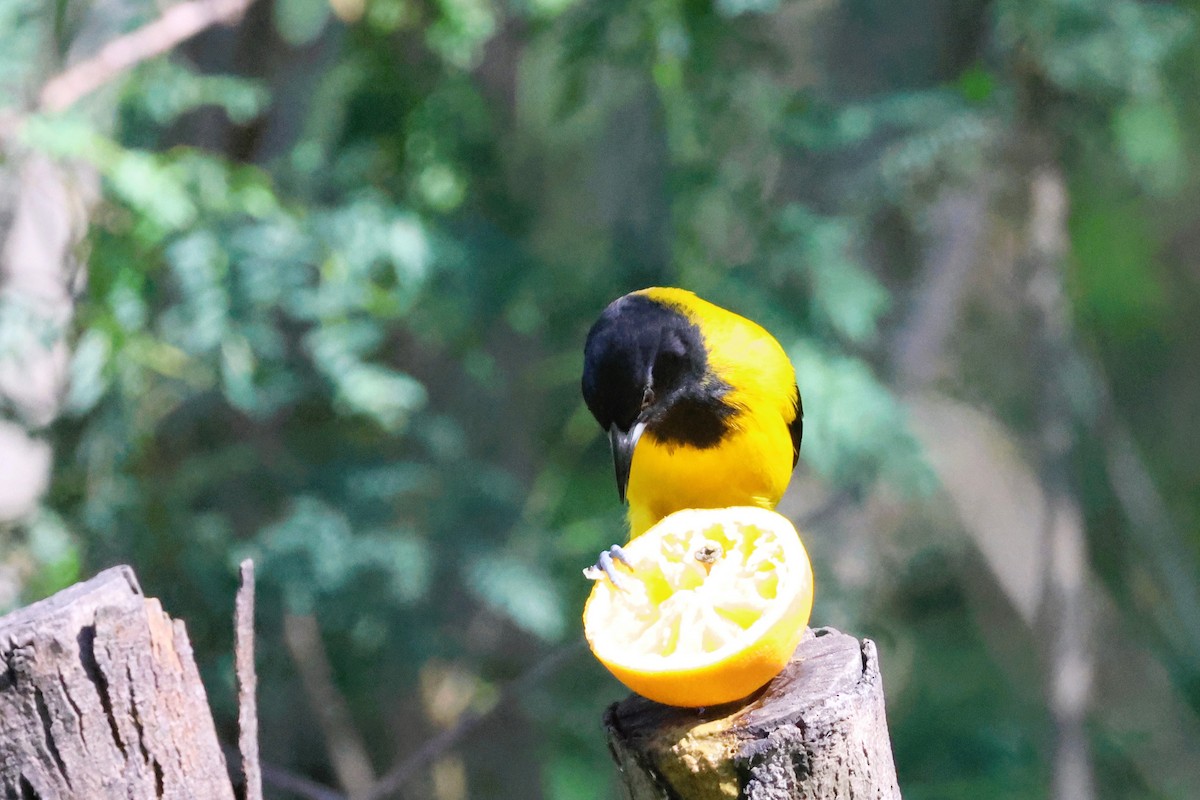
(752, 463)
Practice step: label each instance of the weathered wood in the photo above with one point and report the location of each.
(100, 697)
(817, 731)
(247, 680)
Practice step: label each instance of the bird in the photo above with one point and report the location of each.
(700, 405)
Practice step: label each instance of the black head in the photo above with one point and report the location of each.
(646, 369)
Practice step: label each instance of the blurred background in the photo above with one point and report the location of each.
(307, 281)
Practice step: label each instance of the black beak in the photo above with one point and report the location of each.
(623, 443)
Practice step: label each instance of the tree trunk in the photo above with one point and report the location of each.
(817, 731)
(100, 697)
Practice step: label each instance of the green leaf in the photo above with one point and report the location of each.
(735, 8)
(54, 550)
(1151, 142)
(314, 553)
(386, 396)
(847, 297)
(855, 431)
(88, 372)
(155, 189)
(520, 591)
(463, 27)
(168, 89)
(977, 84)
(300, 22)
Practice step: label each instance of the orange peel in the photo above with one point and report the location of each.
(711, 607)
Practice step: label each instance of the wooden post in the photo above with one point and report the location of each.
(817, 731)
(100, 697)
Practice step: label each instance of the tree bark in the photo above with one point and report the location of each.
(816, 731)
(100, 697)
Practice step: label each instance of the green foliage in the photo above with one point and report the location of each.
(167, 91)
(53, 551)
(316, 556)
(992, 751)
(846, 298)
(858, 432)
(1151, 144)
(335, 305)
(24, 33)
(300, 22)
(520, 591)
(1109, 49)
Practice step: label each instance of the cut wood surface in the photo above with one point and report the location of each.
(817, 731)
(100, 697)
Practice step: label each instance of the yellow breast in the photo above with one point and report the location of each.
(749, 467)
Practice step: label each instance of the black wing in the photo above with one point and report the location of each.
(796, 428)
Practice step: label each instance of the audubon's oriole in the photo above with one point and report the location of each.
(700, 405)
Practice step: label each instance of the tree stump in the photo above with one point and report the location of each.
(816, 731)
(100, 697)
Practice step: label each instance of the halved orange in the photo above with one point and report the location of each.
(713, 605)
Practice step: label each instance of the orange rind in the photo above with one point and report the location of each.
(710, 608)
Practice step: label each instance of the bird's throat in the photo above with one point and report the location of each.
(697, 421)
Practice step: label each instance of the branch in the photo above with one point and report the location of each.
(1152, 529)
(298, 785)
(247, 680)
(347, 752)
(1069, 606)
(955, 225)
(401, 773)
(178, 23)
(284, 779)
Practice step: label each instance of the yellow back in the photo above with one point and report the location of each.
(753, 463)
